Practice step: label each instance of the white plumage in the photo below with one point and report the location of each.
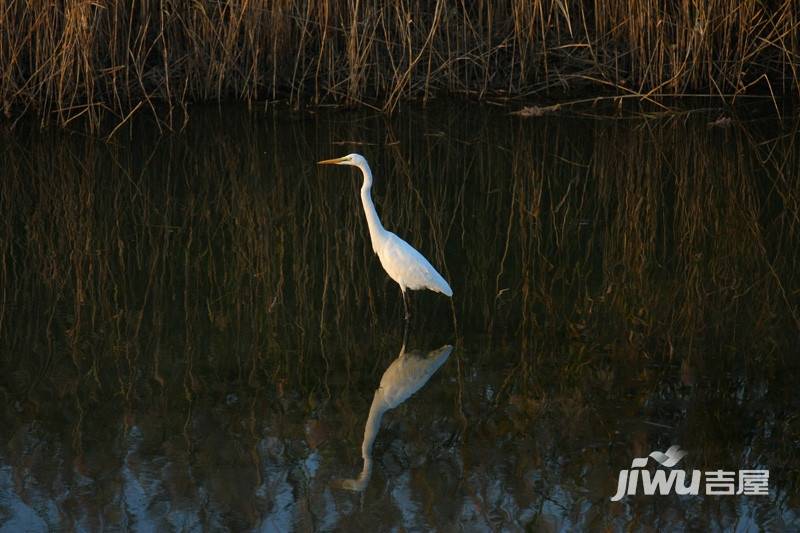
(400, 260)
(408, 267)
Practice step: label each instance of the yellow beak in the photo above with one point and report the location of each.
(331, 161)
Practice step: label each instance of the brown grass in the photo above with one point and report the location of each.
(63, 60)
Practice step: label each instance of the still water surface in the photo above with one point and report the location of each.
(196, 334)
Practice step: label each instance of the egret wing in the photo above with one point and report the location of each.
(410, 268)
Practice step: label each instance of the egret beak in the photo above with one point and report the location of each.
(336, 161)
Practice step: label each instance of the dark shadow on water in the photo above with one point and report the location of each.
(193, 325)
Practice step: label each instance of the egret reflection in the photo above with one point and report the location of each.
(408, 373)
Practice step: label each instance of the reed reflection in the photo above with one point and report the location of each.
(632, 284)
(407, 374)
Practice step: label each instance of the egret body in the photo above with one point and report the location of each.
(400, 260)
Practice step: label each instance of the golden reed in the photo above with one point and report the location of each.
(86, 58)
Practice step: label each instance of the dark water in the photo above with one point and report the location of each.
(193, 324)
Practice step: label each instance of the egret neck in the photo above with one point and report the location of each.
(376, 230)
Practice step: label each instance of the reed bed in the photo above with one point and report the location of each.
(77, 58)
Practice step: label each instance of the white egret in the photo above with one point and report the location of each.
(400, 260)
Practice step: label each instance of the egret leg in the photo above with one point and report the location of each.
(405, 304)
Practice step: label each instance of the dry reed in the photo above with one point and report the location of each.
(79, 58)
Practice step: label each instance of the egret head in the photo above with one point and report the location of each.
(354, 160)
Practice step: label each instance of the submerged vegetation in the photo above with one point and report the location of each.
(86, 59)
